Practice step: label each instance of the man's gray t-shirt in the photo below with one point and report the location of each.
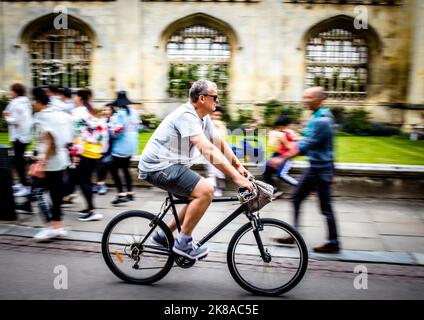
(170, 143)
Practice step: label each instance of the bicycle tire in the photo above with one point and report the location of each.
(255, 289)
(107, 256)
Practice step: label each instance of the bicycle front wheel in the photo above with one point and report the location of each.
(283, 265)
(130, 254)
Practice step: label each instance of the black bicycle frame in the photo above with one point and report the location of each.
(170, 205)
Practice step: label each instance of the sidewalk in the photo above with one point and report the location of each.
(372, 230)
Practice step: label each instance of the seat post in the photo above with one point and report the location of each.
(174, 211)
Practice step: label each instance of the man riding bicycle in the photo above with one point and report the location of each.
(168, 155)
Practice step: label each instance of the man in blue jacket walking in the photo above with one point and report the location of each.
(318, 147)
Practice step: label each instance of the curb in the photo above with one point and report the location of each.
(384, 257)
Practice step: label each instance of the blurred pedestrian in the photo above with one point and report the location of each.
(66, 96)
(91, 137)
(18, 115)
(55, 96)
(53, 130)
(103, 166)
(318, 147)
(214, 175)
(124, 129)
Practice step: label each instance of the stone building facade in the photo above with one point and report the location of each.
(366, 53)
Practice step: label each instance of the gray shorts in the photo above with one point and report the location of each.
(177, 179)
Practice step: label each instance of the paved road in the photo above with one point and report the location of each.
(27, 272)
(387, 226)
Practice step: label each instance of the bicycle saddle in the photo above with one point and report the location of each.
(186, 199)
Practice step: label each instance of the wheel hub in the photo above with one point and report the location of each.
(135, 252)
(267, 257)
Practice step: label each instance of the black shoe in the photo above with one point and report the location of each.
(84, 212)
(120, 199)
(24, 206)
(327, 248)
(130, 197)
(68, 199)
(288, 240)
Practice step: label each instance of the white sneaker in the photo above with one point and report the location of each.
(72, 196)
(61, 232)
(17, 186)
(92, 216)
(218, 193)
(23, 192)
(48, 233)
(102, 189)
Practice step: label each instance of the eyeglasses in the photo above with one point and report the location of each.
(214, 96)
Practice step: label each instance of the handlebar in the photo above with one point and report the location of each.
(245, 195)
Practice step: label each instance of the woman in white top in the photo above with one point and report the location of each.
(18, 115)
(53, 131)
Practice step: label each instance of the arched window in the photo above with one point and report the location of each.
(337, 59)
(60, 56)
(195, 52)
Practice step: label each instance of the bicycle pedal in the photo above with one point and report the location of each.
(184, 262)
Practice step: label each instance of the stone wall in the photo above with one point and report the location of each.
(267, 38)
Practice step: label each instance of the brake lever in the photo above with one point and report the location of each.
(244, 195)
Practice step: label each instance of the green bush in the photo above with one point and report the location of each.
(339, 114)
(226, 117)
(404, 135)
(357, 122)
(150, 121)
(382, 130)
(270, 111)
(273, 109)
(3, 103)
(293, 112)
(244, 116)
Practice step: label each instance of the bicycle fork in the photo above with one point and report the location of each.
(257, 226)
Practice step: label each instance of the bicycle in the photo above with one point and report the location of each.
(252, 251)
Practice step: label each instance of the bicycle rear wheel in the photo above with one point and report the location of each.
(286, 266)
(130, 255)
